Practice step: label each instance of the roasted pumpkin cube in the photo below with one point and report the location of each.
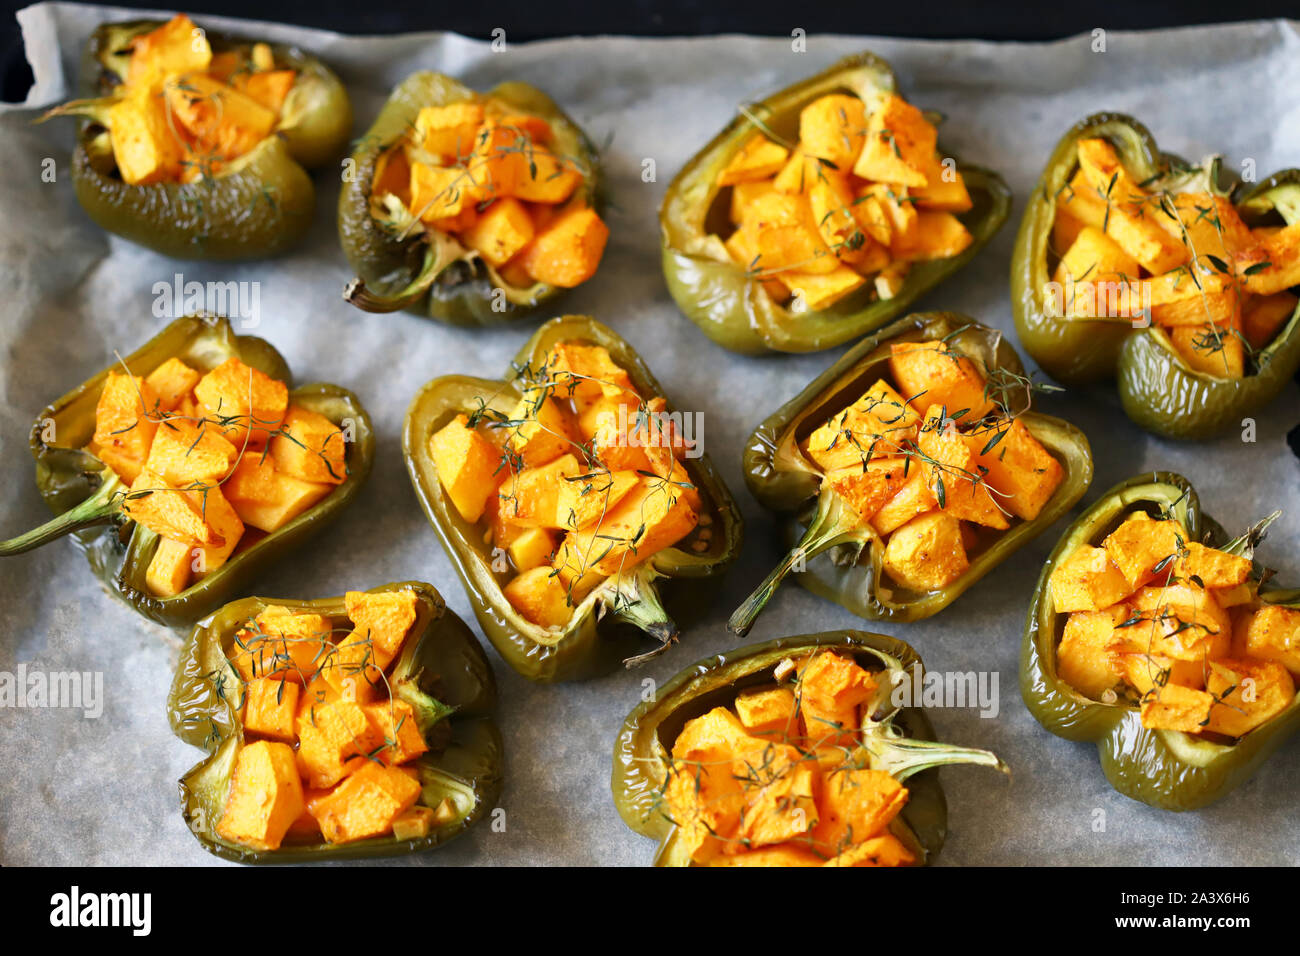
(586, 499)
(172, 381)
(1148, 673)
(269, 708)
(586, 374)
(1248, 693)
(899, 146)
(144, 147)
(1211, 567)
(758, 158)
(367, 804)
(866, 488)
(1142, 547)
(1129, 212)
(959, 487)
(1018, 466)
(414, 824)
(933, 373)
(1078, 204)
(543, 176)
(926, 553)
(265, 796)
(822, 290)
(1174, 707)
(1208, 225)
(440, 193)
(282, 644)
(1181, 621)
(540, 429)
(831, 681)
(937, 235)
(566, 252)
(448, 131)
(1210, 349)
(334, 740)
(267, 499)
(541, 596)
(1273, 634)
(855, 806)
(468, 466)
(876, 215)
(896, 205)
(619, 433)
(170, 569)
(532, 548)
(782, 855)
(914, 498)
(501, 231)
(769, 712)
(1092, 256)
(126, 419)
(310, 446)
(796, 247)
(1273, 264)
(833, 127)
(493, 166)
(178, 46)
(1084, 658)
(385, 617)
(394, 722)
(742, 194)
(168, 511)
(884, 850)
(1087, 580)
(185, 453)
(530, 499)
(270, 88)
(705, 800)
(244, 402)
(1180, 298)
(1262, 316)
(222, 122)
(655, 515)
(779, 795)
(221, 517)
(831, 204)
(944, 190)
(879, 424)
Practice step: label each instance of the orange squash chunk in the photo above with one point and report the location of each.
(265, 796)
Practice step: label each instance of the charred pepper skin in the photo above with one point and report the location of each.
(260, 207)
(641, 749)
(591, 646)
(1164, 769)
(119, 550)
(1157, 388)
(731, 308)
(783, 481)
(441, 655)
(463, 293)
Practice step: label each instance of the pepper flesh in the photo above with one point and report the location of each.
(408, 274)
(731, 308)
(901, 740)
(588, 646)
(1162, 768)
(441, 657)
(784, 480)
(260, 205)
(1158, 389)
(87, 495)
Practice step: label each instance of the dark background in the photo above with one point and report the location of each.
(532, 19)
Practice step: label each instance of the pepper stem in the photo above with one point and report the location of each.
(95, 109)
(357, 293)
(1244, 545)
(100, 508)
(429, 711)
(635, 599)
(834, 523)
(902, 756)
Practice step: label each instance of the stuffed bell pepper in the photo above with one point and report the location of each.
(470, 208)
(340, 728)
(820, 214)
(911, 468)
(564, 495)
(191, 464)
(198, 145)
(789, 753)
(1159, 639)
(1135, 264)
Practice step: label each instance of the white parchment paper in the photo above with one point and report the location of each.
(78, 790)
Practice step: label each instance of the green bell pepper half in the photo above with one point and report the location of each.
(442, 671)
(87, 495)
(1158, 389)
(731, 307)
(594, 641)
